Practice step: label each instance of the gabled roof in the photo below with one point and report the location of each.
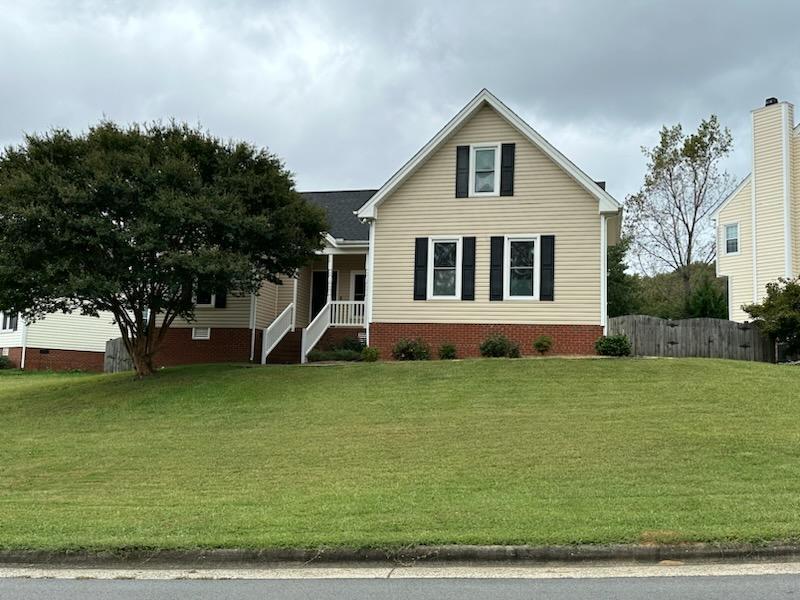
(724, 203)
(340, 207)
(606, 202)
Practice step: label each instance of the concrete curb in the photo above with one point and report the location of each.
(429, 554)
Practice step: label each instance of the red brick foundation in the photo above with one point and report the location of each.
(225, 345)
(467, 337)
(38, 359)
(15, 356)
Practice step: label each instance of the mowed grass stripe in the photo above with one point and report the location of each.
(481, 451)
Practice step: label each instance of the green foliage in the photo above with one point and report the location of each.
(370, 354)
(543, 344)
(498, 346)
(708, 300)
(411, 350)
(622, 288)
(334, 354)
(447, 352)
(613, 345)
(779, 313)
(133, 219)
(662, 295)
(5, 363)
(350, 343)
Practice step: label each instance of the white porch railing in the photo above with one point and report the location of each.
(337, 313)
(347, 313)
(272, 335)
(314, 331)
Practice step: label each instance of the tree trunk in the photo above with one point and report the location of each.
(142, 356)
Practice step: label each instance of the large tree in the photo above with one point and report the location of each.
(669, 219)
(134, 220)
(622, 286)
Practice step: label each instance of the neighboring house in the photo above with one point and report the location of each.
(58, 341)
(758, 225)
(487, 229)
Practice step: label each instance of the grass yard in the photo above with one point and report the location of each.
(480, 451)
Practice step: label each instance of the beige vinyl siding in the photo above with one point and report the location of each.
(235, 315)
(796, 201)
(546, 201)
(74, 331)
(266, 304)
(303, 297)
(738, 268)
(768, 177)
(285, 294)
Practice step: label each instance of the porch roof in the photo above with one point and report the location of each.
(340, 207)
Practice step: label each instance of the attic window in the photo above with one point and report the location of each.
(484, 170)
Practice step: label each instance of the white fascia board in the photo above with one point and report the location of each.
(606, 202)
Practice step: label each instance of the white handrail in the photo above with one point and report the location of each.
(273, 334)
(348, 313)
(314, 331)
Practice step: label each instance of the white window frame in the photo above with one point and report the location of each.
(195, 336)
(3, 319)
(738, 238)
(437, 240)
(496, 146)
(353, 284)
(536, 238)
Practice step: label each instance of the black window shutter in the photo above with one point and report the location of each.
(468, 268)
(421, 269)
(496, 268)
(221, 299)
(462, 171)
(547, 267)
(507, 152)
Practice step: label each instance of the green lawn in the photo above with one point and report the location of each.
(480, 451)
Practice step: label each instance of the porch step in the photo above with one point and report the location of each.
(287, 352)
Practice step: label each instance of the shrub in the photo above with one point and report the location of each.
(497, 345)
(411, 350)
(5, 362)
(447, 352)
(542, 344)
(613, 345)
(370, 354)
(350, 343)
(337, 354)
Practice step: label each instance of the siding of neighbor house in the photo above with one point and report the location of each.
(11, 339)
(795, 149)
(58, 331)
(768, 129)
(546, 201)
(235, 314)
(739, 267)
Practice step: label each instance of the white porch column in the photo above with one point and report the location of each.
(330, 277)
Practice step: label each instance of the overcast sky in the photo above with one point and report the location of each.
(346, 92)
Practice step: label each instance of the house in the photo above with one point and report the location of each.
(758, 225)
(58, 341)
(487, 229)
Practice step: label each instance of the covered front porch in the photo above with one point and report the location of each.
(329, 293)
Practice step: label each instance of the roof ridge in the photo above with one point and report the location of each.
(339, 191)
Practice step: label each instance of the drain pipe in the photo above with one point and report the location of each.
(24, 345)
(252, 327)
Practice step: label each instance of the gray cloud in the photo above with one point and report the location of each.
(347, 91)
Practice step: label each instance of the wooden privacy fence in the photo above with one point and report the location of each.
(116, 357)
(709, 338)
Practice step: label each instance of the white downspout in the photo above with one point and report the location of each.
(369, 268)
(604, 273)
(330, 277)
(24, 344)
(252, 327)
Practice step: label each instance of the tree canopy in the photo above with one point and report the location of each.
(132, 220)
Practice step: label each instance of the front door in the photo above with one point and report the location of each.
(319, 291)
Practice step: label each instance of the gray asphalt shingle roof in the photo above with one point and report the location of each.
(339, 207)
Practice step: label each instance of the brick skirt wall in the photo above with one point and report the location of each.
(336, 335)
(60, 360)
(467, 337)
(15, 356)
(225, 345)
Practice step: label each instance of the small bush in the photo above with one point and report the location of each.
(411, 350)
(497, 346)
(447, 352)
(542, 344)
(350, 343)
(5, 362)
(370, 354)
(338, 354)
(613, 345)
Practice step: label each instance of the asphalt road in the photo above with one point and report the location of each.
(755, 587)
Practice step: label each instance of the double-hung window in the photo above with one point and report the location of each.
(204, 296)
(732, 238)
(484, 173)
(520, 272)
(444, 268)
(8, 322)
